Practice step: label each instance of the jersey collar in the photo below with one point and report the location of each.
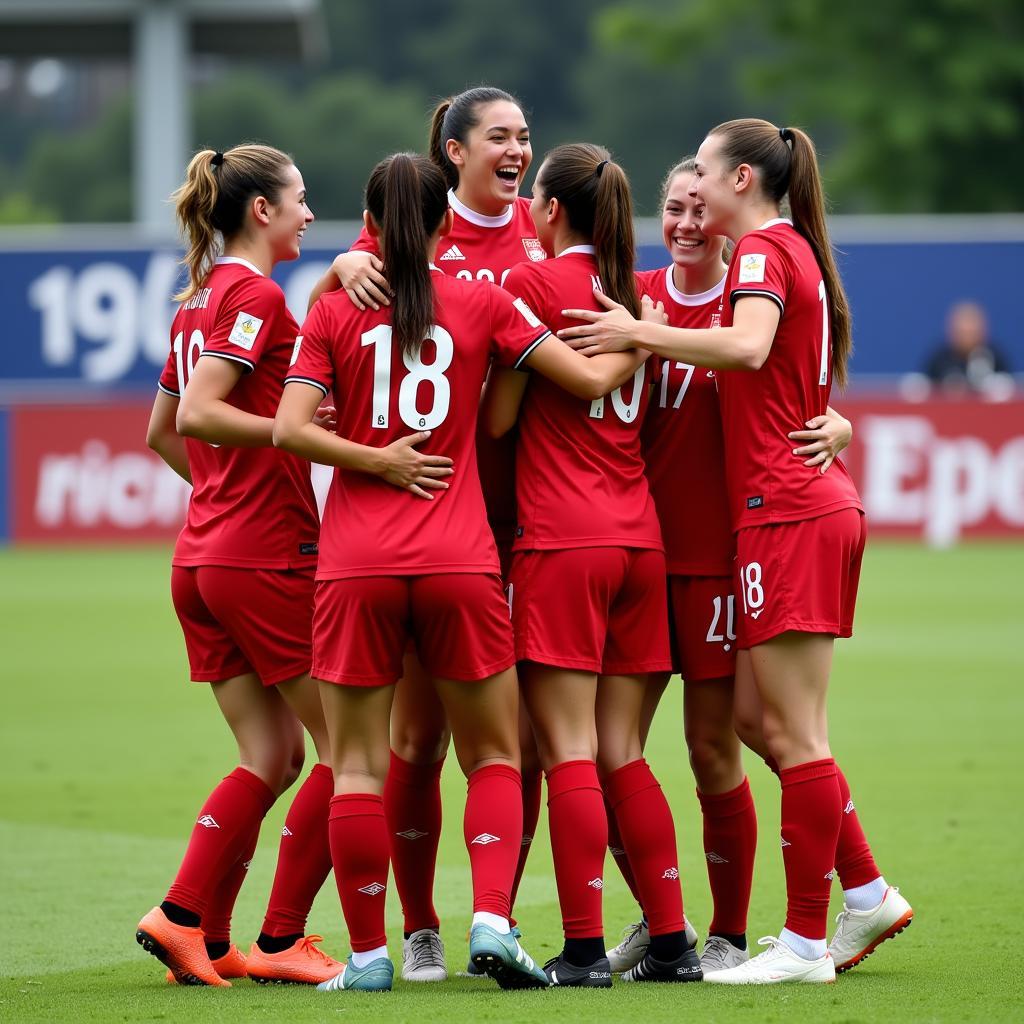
(773, 222)
(238, 259)
(478, 218)
(582, 250)
(698, 299)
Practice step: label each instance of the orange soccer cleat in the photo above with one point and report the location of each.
(301, 964)
(230, 965)
(182, 949)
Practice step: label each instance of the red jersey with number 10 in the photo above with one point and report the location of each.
(250, 507)
(766, 483)
(682, 441)
(579, 473)
(372, 528)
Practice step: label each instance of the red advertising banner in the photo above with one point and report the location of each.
(940, 469)
(84, 473)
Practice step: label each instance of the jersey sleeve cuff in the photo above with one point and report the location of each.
(307, 380)
(247, 363)
(739, 293)
(518, 364)
(167, 391)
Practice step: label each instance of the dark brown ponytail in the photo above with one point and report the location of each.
(595, 193)
(789, 166)
(407, 199)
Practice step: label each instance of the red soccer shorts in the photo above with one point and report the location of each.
(244, 620)
(600, 610)
(458, 621)
(702, 626)
(799, 576)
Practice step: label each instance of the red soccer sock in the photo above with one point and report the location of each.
(579, 838)
(532, 783)
(493, 828)
(811, 816)
(222, 833)
(412, 804)
(618, 852)
(730, 842)
(649, 837)
(359, 851)
(304, 856)
(854, 860)
(216, 923)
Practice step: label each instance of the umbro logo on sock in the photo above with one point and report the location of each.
(373, 889)
(454, 253)
(786, 842)
(596, 883)
(411, 834)
(831, 874)
(208, 821)
(849, 807)
(526, 841)
(671, 873)
(717, 858)
(484, 838)
(616, 851)
(286, 831)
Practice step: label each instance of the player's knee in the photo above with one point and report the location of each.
(713, 757)
(420, 745)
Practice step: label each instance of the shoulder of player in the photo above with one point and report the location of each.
(651, 281)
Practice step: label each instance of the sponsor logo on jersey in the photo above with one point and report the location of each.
(671, 873)
(715, 858)
(528, 314)
(454, 253)
(309, 548)
(245, 331)
(752, 267)
(412, 834)
(534, 249)
(208, 821)
(484, 838)
(755, 502)
(596, 883)
(373, 889)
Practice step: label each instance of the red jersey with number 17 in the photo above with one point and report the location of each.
(766, 484)
(372, 528)
(250, 507)
(579, 473)
(682, 441)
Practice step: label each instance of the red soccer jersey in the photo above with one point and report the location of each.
(251, 507)
(766, 483)
(682, 441)
(579, 470)
(371, 528)
(483, 248)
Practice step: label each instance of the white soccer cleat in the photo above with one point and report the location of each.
(630, 951)
(720, 955)
(860, 932)
(423, 957)
(776, 965)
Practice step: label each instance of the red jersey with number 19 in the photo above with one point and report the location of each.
(682, 441)
(372, 528)
(579, 471)
(250, 507)
(766, 484)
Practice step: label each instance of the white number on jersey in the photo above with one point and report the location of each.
(714, 637)
(823, 375)
(186, 359)
(625, 411)
(419, 372)
(751, 589)
(681, 394)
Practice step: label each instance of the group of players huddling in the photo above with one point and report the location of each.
(557, 482)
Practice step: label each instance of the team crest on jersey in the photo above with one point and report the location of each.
(716, 320)
(534, 249)
(752, 267)
(244, 333)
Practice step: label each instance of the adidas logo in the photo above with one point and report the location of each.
(671, 873)
(411, 834)
(208, 821)
(484, 838)
(849, 807)
(454, 253)
(596, 883)
(785, 842)
(373, 889)
(716, 858)
(286, 831)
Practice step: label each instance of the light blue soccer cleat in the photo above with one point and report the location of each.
(376, 976)
(502, 958)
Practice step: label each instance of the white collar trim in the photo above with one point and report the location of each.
(478, 218)
(772, 223)
(698, 299)
(238, 259)
(583, 250)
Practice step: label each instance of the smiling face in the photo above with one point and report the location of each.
(681, 227)
(289, 217)
(713, 188)
(493, 160)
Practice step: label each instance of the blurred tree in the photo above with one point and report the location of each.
(928, 98)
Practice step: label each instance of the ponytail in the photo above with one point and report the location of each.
(437, 150)
(214, 199)
(595, 193)
(789, 166)
(407, 199)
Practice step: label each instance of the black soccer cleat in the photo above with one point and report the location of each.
(683, 968)
(563, 974)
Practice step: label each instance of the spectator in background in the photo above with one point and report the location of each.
(966, 360)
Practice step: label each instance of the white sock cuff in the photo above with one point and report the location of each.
(362, 959)
(809, 949)
(496, 921)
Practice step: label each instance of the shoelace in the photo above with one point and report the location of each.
(631, 932)
(423, 950)
(716, 949)
(309, 947)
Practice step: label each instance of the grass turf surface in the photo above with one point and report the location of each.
(106, 754)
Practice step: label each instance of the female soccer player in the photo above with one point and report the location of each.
(395, 568)
(242, 577)
(683, 450)
(800, 534)
(480, 140)
(587, 584)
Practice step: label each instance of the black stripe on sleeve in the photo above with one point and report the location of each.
(247, 363)
(738, 293)
(307, 380)
(168, 391)
(529, 348)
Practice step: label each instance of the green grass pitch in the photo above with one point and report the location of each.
(106, 752)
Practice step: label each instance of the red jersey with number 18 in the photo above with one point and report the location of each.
(250, 507)
(766, 483)
(682, 441)
(579, 473)
(370, 527)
